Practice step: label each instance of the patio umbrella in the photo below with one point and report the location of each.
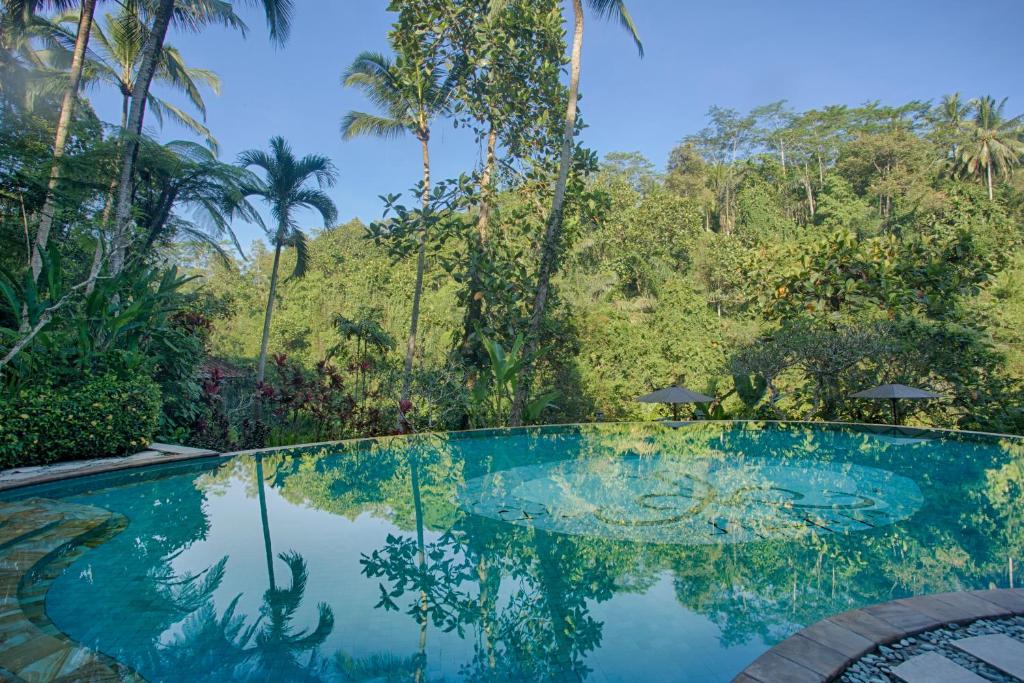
(674, 396)
(892, 393)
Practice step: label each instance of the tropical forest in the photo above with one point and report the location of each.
(779, 259)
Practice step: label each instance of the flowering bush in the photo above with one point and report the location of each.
(99, 417)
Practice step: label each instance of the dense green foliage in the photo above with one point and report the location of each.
(782, 260)
(98, 417)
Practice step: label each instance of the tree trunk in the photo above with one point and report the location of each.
(261, 365)
(809, 191)
(421, 561)
(265, 522)
(988, 175)
(553, 233)
(67, 110)
(151, 51)
(421, 257)
(475, 304)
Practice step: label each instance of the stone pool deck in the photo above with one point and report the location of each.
(822, 652)
(42, 474)
(39, 539)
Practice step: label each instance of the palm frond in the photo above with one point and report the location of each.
(296, 238)
(616, 9)
(279, 17)
(162, 108)
(318, 200)
(358, 123)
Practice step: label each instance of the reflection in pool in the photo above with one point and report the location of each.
(699, 499)
(612, 553)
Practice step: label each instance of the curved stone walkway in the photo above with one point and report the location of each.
(38, 539)
(822, 652)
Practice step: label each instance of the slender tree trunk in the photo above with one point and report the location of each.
(151, 51)
(108, 205)
(421, 561)
(809, 191)
(265, 521)
(475, 304)
(261, 365)
(553, 233)
(421, 257)
(67, 110)
(988, 176)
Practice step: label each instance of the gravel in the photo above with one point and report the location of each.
(876, 666)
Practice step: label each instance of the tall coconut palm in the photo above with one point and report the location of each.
(193, 14)
(949, 117)
(615, 9)
(114, 60)
(285, 187)
(410, 94)
(67, 109)
(993, 144)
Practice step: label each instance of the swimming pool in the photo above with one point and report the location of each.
(608, 553)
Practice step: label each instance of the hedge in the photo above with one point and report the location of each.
(100, 417)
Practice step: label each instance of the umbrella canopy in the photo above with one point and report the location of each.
(674, 396)
(893, 392)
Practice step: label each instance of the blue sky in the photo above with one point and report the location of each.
(734, 53)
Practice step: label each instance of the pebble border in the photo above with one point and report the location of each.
(824, 651)
(877, 667)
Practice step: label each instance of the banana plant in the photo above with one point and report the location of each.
(490, 400)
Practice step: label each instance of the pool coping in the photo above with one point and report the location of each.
(167, 453)
(821, 652)
(157, 454)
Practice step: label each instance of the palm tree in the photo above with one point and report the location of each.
(115, 57)
(285, 190)
(67, 109)
(411, 93)
(949, 117)
(553, 231)
(27, 58)
(194, 15)
(993, 143)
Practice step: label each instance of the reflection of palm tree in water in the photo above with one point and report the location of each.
(278, 644)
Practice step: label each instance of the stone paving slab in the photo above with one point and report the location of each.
(933, 668)
(175, 449)
(999, 650)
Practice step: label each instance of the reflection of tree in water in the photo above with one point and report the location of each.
(167, 518)
(522, 596)
(540, 629)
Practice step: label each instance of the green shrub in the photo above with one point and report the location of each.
(100, 417)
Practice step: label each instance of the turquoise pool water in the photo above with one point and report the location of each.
(611, 553)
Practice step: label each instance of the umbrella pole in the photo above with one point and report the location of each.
(895, 417)
(675, 412)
